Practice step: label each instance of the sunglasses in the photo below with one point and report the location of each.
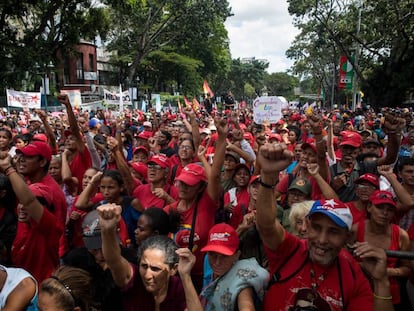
(154, 167)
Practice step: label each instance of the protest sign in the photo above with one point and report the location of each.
(74, 96)
(267, 109)
(25, 100)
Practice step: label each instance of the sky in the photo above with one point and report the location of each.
(262, 29)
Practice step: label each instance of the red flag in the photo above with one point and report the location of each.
(196, 104)
(187, 102)
(207, 90)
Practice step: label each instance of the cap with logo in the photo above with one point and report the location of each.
(336, 210)
(350, 138)
(379, 197)
(222, 239)
(192, 174)
(160, 159)
(301, 184)
(370, 178)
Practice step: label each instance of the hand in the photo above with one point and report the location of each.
(160, 193)
(96, 178)
(5, 160)
(186, 261)
(237, 135)
(313, 169)
(189, 112)
(338, 182)
(42, 114)
(152, 142)
(228, 208)
(112, 143)
(222, 126)
(201, 152)
(66, 153)
(385, 170)
(393, 124)
(374, 260)
(315, 122)
(75, 215)
(249, 220)
(274, 158)
(109, 216)
(64, 100)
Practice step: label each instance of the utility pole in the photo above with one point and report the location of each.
(357, 51)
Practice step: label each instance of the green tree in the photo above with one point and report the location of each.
(329, 29)
(35, 32)
(193, 29)
(281, 83)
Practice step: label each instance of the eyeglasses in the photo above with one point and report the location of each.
(185, 147)
(154, 167)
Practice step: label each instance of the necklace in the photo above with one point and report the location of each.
(316, 282)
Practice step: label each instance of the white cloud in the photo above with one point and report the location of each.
(261, 29)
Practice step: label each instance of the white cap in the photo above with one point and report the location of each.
(35, 118)
(147, 123)
(206, 131)
(212, 128)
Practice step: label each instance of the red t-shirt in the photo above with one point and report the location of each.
(292, 254)
(243, 199)
(80, 163)
(144, 194)
(357, 215)
(204, 221)
(36, 246)
(51, 196)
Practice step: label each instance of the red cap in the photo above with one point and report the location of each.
(36, 148)
(368, 177)
(140, 148)
(222, 239)
(309, 145)
(67, 132)
(192, 174)
(145, 135)
(350, 138)
(275, 136)
(379, 197)
(160, 159)
(253, 179)
(40, 137)
(140, 168)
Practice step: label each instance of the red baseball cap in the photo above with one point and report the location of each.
(222, 239)
(253, 179)
(350, 138)
(275, 136)
(140, 168)
(368, 177)
(40, 137)
(140, 148)
(160, 159)
(145, 135)
(379, 197)
(309, 145)
(36, 148)
(192, 174)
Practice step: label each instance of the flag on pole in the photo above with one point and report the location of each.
(179, 105)
(196, 105)
(187, 102)
(121, 103)
(207, 90)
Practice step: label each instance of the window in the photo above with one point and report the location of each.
(79, 68)
(91, 63)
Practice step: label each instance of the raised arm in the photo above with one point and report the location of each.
(51, 138)
(20, 188)
(327, 191)
(194, 126)
(73, 123)
(329, 143)
(213, 186)
(273, 159)
(392, 127)
(68, 179)
(83, 201)
(109, 217)
(407, 201)
(316, 124)
(185, 264)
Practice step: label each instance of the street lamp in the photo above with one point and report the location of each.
(45, 81)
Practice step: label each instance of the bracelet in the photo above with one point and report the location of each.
(383, 297)
(267, 185)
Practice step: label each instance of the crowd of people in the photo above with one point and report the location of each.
(207, 210)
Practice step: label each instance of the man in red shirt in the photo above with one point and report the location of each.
(315, 273)
(41, 210)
